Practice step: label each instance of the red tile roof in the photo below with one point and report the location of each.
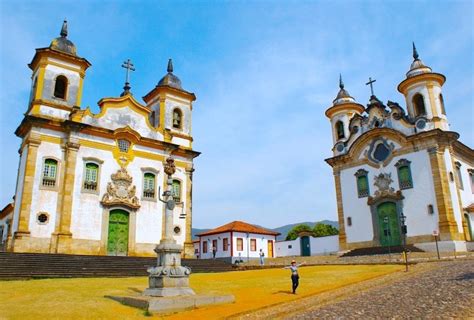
(239, 226)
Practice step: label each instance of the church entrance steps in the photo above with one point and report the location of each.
(43, 265)
(380, 250)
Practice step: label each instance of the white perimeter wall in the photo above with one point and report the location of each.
(318, 246)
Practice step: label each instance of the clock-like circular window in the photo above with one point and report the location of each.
(381, 152)
(42, 218)
(177, 230)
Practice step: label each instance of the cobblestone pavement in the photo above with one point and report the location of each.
(442, 293)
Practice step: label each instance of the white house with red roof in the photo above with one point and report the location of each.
(237, 241)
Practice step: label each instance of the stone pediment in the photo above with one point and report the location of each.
(120, 191)
(385, 191)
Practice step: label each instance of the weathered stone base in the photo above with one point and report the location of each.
(172, 304)
(168, 292)
(443, 246)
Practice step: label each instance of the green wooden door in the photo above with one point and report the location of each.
(305, 246)
(388, 224)
(117, 244)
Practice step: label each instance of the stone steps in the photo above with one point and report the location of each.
(44, 265)
(380, 250)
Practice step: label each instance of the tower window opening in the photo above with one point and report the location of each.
(340, 130)
(60, 87)
(177, 118)
(33, 90)
(50, 170)
(459, 175)
(419, 105)
(362, 180)
(441, 103)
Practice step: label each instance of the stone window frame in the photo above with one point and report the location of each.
(155, 172)
(181, 123)
(97, 162)
(176, 199)
(441, 103)
(121, 147)
(415, 111)
(179, 230)
(66, 88)
(471, 176)
(57, 179)
(373, 146)
(362, 173)
(459, 181)
(339, 126)
(40, 214)
(404, 163)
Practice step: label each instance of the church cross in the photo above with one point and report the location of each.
(371, 86)
(130, 67)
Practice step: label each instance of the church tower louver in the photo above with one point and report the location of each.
(88, 183)
(401, 177)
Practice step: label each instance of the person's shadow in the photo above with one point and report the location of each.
(283, 291)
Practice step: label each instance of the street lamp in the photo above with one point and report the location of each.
(386, 221)
(403, 227)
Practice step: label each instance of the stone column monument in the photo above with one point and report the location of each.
(169, 277)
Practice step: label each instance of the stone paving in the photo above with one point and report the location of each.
(439, 290)
(443, 293)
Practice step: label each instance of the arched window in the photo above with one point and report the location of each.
(91, 176)
(418, 105)
(340, 130)
(176, 190)
(441, 103)
(405, 180)
(50, 171)
(149, 185)
(177, 118)
(362, 183)
(60, 88)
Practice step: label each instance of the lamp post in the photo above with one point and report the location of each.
(386, 221)
(403, 227)
(248, 237)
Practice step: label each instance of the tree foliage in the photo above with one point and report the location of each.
(293, 233)
(323, 230)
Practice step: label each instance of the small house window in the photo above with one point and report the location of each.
(204, 247)
(253, 244)
(349, 221)
(404, 174)
(91, 176)
(123, 145)
(459, 175)
(177, 118)
(225, 244)
(240, 244)
(176, 190)
(362, 183)
(340, 130)
(50, 171)
(419, 105)
(60, 87)
(441, 103)
(149, 185)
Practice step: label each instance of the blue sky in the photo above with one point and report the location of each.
(263, 73)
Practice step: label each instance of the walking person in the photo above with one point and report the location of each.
(214, 250)
(262, 257)
(294, 274)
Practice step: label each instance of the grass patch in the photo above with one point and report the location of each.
(85, 298)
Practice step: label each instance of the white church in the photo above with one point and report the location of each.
(402, 175)
(89, 183)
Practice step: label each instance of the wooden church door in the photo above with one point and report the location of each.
(117, 244)
(388, 224)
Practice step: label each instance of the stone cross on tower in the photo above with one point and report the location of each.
(371, 86)
(130, 67)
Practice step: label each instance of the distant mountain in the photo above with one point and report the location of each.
(283, 229)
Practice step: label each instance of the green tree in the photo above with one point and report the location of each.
(323, 230)
(293, 233)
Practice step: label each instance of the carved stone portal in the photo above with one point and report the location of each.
(382, 182)
(120, 191)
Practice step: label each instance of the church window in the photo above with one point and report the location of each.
(91, 176)
(177, 118)
(177, 230)
(50, 171)
(451, 176)
(430, 209)
(459, 175)
(340, 130)
(419, 105)
(471, 177)
(349, 221)
(381, 152)
(33, 90)
(60, 87)
(404, 174)
(204, 247)
(441, 103)
(152, 118)
(149, 185)
(225, 244)
(240, 244)
(362, 183)
(123, 145)
(42, 218)
(253, 244)
(176, 190)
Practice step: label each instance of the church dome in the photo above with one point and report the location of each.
(417, 66)
(62, 43)
(170, 79)
(342, 96)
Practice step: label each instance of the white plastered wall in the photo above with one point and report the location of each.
(220, 253)
(453, 190)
